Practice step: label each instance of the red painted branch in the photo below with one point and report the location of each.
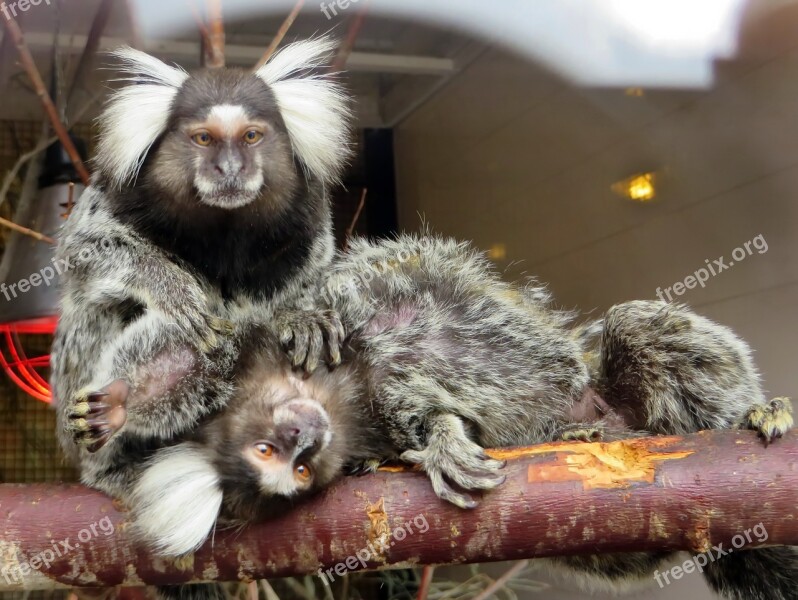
(566, 498)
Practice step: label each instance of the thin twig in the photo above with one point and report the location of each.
(499, 583)
(12, 174)
(215, 34)
(135, 27)
(24, 230)
(203, 30)
(90, 49)
(351, 229)
(289, 20)
(52, 112)
(426, 581)
(349, 42)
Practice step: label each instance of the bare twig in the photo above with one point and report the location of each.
(289, 20)
(24, 230)
(52, 112)
(349, 42)
(44, 144)
(426, 581)
(90, 49)
(501, 581)
(215, 35)
(135, 28)
(201, 27)
(351, 229)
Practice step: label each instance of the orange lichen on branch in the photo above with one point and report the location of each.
(603, 465)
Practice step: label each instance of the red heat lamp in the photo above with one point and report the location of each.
(34, 310)
(21, 369)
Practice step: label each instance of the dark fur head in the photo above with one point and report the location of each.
(283, 436)
(227, 169)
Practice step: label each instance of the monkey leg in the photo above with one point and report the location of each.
(150, 384)
(450, 456)
(667, 370)
(307, 334)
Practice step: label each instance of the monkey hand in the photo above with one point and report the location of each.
(192, 320)
(450, 457)
(306, 333)
(97, 415)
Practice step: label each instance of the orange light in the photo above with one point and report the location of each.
(639, 188)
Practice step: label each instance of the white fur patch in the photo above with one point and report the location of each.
(228, 117)
(136, 115)
(176, 501)
(315, 109)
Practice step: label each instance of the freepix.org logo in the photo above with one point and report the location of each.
(12, 9)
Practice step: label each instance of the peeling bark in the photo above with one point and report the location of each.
(677, 493)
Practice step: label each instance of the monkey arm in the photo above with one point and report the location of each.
(659, 493)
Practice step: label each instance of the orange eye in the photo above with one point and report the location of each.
(302, 471)
(202, 138)
(266, 450)
(253, 136)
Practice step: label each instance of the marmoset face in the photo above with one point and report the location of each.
(227, 142)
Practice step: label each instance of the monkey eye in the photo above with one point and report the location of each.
(264, 449)
(252, 136)
(202, 138)
(302, 471)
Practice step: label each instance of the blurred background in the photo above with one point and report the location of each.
(614, 149)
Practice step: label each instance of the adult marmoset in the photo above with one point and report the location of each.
(208, 208)
(444, 360)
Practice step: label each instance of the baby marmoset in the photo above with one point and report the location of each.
(208, 208)
(446, 359)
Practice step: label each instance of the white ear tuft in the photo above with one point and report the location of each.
(135, 115)
(315, 109)
(177, 500)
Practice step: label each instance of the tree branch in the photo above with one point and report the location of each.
(659, 493)
(52, 113)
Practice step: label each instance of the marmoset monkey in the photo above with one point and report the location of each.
(446, 360)
(210, 208)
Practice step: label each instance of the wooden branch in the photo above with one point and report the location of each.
(52, 113)
(215, 35)
(275, 43)
(349, 42)
(660, 493)
(351, 229)
(90, 49)
(26, 231)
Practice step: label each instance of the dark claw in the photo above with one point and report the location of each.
(102, 438)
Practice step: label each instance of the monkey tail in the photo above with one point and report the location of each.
(757, 574)
(177, 500)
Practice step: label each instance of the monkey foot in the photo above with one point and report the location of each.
(365, 467)
(306, 334)
(97, 416)
(461, 462)
(583, 434)
(771, 420)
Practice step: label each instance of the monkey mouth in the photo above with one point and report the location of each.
(227, 196)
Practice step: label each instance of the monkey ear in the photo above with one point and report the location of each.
(315, 109)
(135, 115)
